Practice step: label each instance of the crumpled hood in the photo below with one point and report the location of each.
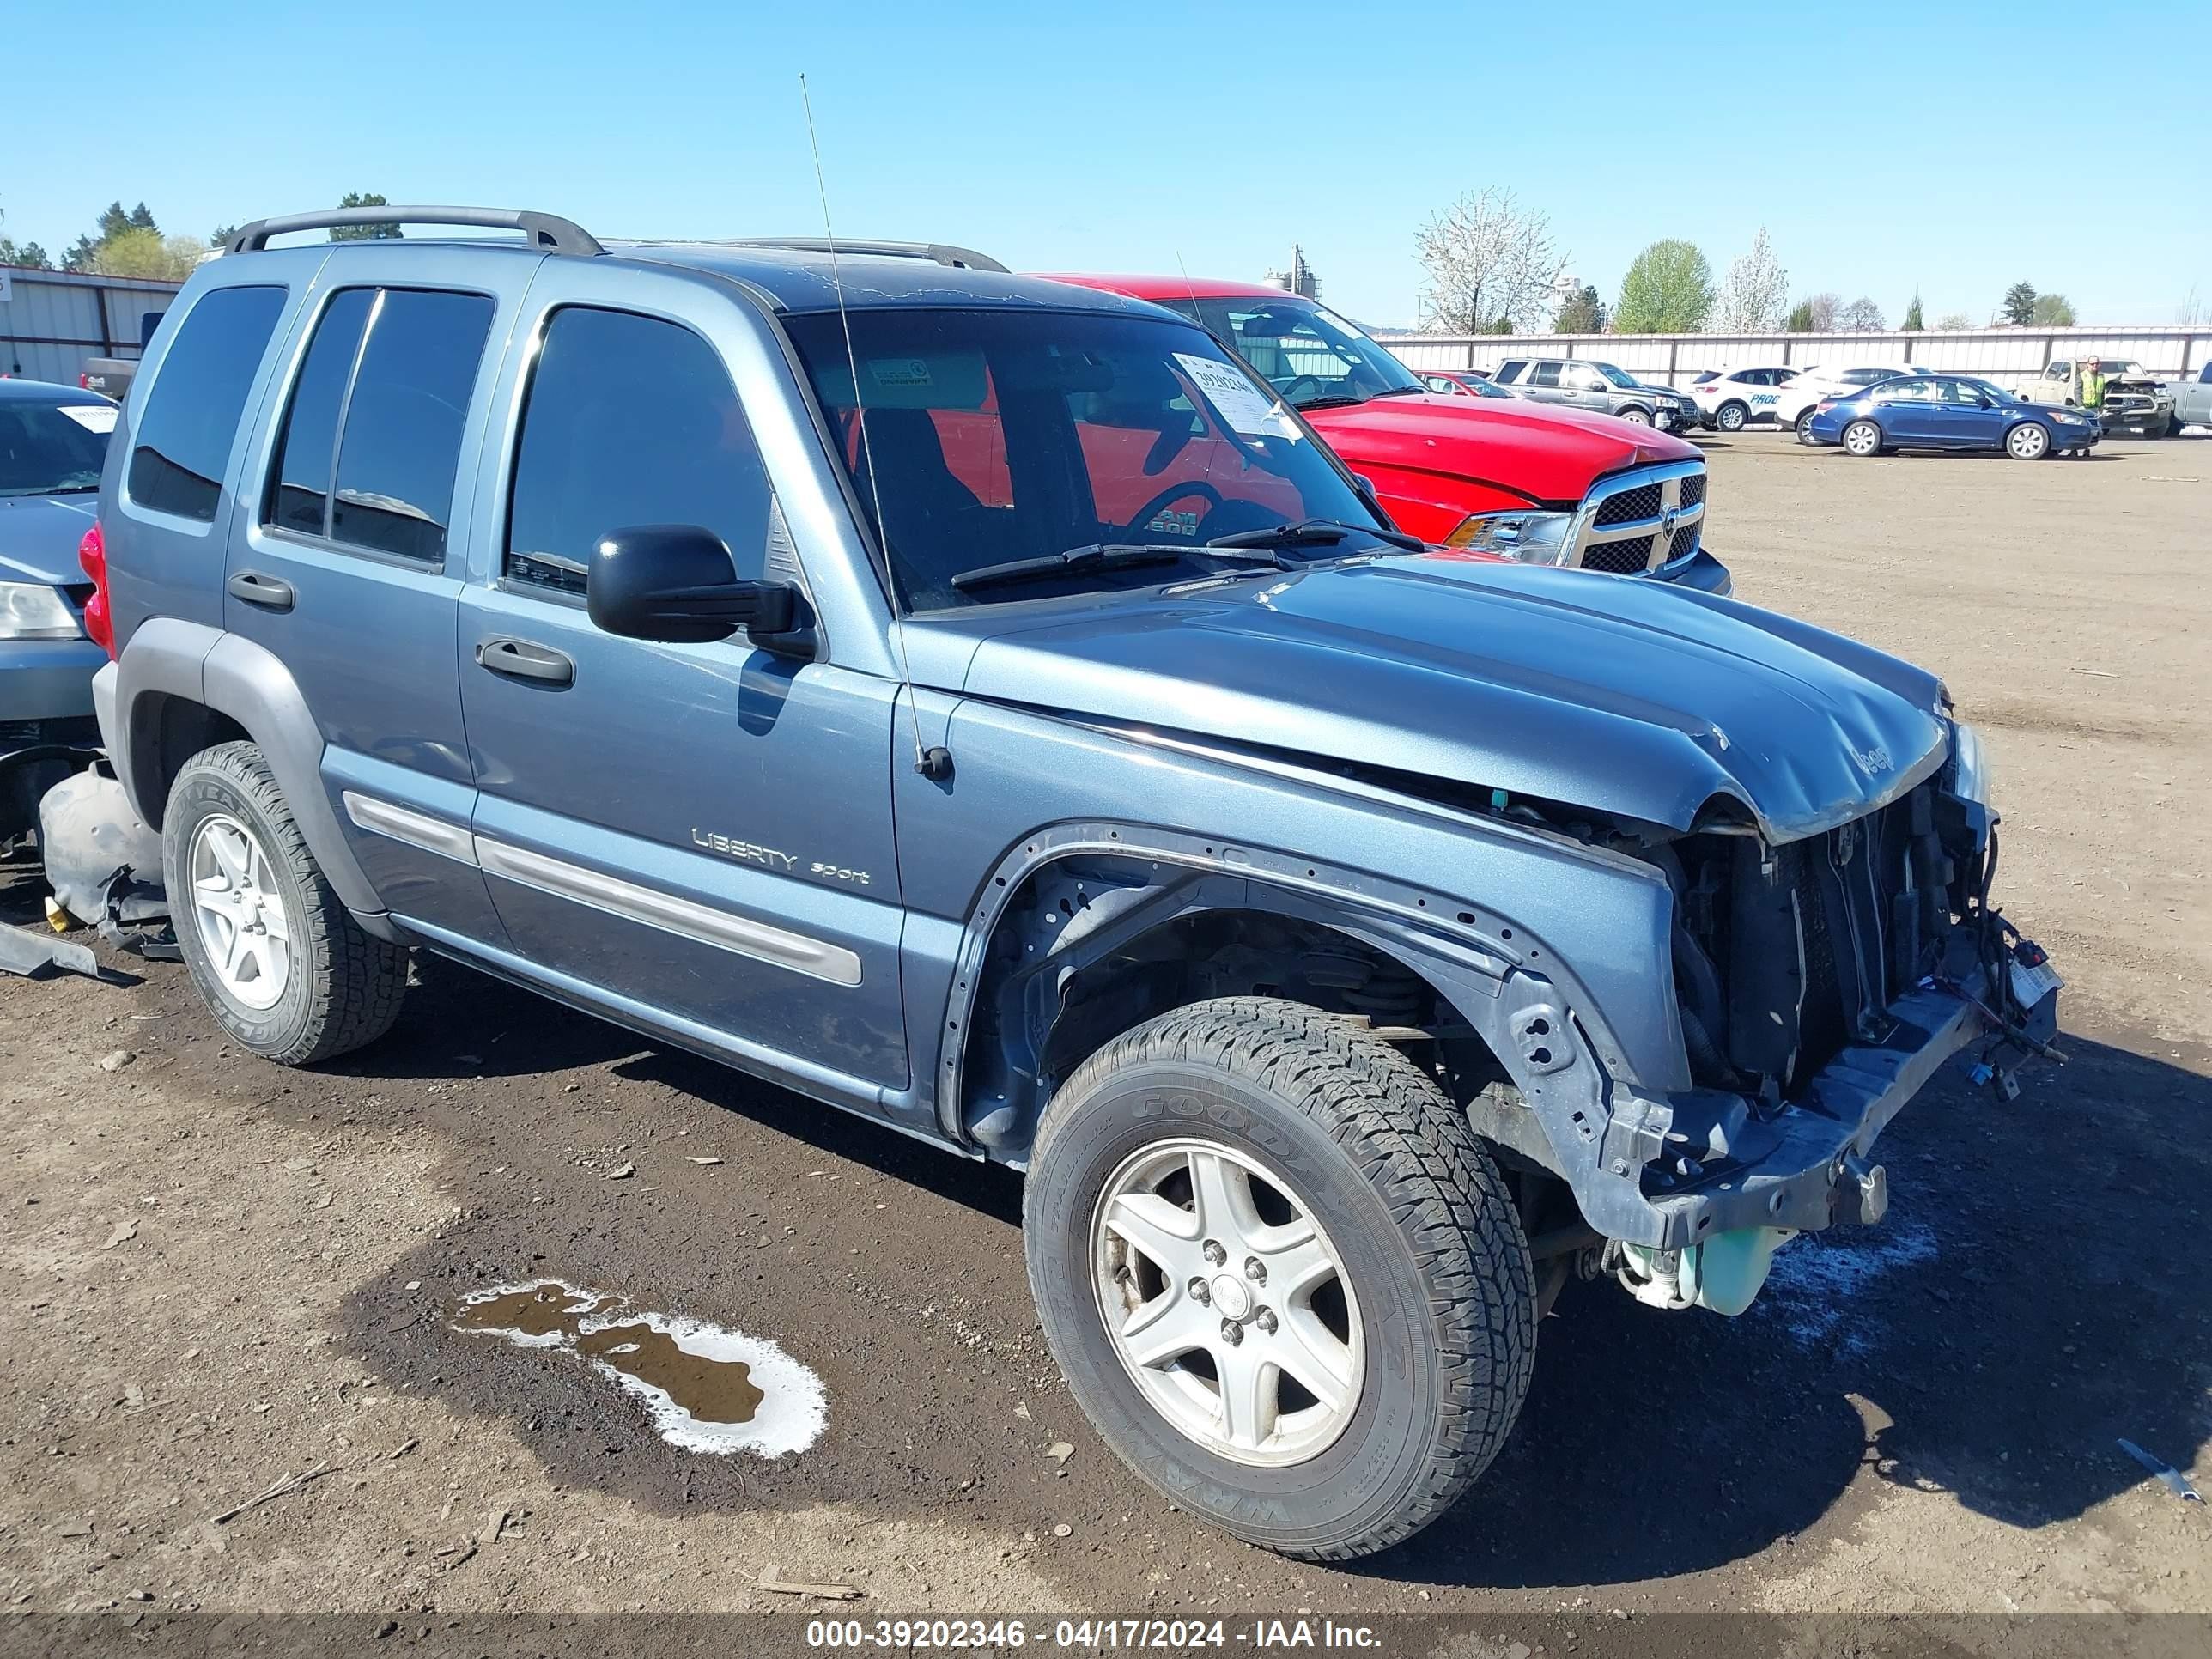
(1546, 453)
(39, 536)
(1615, 694)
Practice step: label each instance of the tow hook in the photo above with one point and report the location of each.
(1861, 1195)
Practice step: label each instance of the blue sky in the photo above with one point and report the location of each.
(1118, 136)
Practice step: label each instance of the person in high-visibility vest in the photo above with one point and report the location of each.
(2092, 385)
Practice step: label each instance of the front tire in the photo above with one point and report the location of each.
(1862, 438)
(1637, 416)
(2028, 441)
(278, 959)
(1259, 1167)
(1731, 417)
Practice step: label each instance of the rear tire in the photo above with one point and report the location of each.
(278, 959)
(1862, 438)
(1805, 424)
(1426, 1261)
(1731, 417)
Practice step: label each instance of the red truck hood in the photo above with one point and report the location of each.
(1545, 454)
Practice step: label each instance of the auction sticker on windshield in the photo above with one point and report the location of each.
(93, 417)
(1236, 400)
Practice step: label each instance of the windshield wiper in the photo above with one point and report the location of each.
(1098, 555)
(1309, 532)
(1403, 391)
(1328, 400)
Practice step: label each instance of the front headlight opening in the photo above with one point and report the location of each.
(31, 610)
(1970, 764)
(1533, 537)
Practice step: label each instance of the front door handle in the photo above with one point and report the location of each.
(519, 660)
(269, 593)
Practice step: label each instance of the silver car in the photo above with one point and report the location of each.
(1584, 383)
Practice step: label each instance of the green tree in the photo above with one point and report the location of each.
(1583, 313)
(143, 250)
(2052, 310)
(2018, 305)
(1669, 289)
(1912, 323)
(83, 253)
(13, 253)
(372, 233)
(221, 234)
(1801, 318)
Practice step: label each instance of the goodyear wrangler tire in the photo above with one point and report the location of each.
(1283, 1277)
(278, 959)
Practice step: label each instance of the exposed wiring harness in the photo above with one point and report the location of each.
(1999, 944)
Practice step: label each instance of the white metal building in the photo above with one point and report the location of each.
(2010, 357)
(50, 321)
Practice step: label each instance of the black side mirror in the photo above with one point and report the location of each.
(675, 583)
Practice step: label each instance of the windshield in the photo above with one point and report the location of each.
(1006, 435)
(52, 449)
(1307, 352)
(1619, 377)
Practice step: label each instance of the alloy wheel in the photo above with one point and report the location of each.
(238, 908)
(1863, 438)
(1227, 1302)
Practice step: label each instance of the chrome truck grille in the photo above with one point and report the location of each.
(1637, 521)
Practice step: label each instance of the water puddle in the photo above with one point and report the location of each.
(707, 1388)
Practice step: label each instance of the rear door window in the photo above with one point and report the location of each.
(399, 444)
(628, 421)
(183, 443)
(1542, 374)
(307, 447)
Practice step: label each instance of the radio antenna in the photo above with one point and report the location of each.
(934, 763)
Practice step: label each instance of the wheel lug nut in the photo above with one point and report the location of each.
(1265, 1320)
(1255, 1270)
(1215, 1253)
(1201, 1291)
(1231, 1332)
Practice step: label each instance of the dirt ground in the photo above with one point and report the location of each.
(220, 1274)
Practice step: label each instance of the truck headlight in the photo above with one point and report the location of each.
(1970, 765)
(32, 610)
(1529, 535)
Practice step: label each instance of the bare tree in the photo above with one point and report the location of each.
(1756, 293)
(1821, 310)
(1952, 321)
(1861, 316)
(1486, 260)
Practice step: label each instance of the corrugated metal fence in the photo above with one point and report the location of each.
(2010, 357)
(50, 321)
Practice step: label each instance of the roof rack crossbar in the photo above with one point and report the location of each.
(540, 230)
(943, 253)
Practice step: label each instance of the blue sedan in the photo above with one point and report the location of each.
(1950, 412)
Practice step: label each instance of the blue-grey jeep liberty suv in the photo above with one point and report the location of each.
(980, 704)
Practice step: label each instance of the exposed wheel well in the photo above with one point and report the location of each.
(166, 731)
(1089, 948)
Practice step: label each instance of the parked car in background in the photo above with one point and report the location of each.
(53, 443)
(1729, 400)
(111, 376)
(1949, 411)
(2192, 399)
(1348, 945)
(1600, 388)
(1540, 484)
(2136, 400)
(1794, 397)
(1461, 383)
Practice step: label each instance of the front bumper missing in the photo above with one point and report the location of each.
(1804, 1168)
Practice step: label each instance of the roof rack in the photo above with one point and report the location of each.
(943, 253)
(539, 230)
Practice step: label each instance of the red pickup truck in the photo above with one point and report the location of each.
(1503, 475)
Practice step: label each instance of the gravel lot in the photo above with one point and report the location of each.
(221, 1274)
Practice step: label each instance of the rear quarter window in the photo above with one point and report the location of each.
(184, 433)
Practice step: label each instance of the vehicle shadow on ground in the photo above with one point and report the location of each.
(2014, 1316)
(2016, 1313)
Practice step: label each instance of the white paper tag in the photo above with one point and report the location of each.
(1246, 408)
(93, 417)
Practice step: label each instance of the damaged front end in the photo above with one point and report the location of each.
(1821, 983)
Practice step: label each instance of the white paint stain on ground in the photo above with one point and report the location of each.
(1818, 1277)
(788, 1416)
